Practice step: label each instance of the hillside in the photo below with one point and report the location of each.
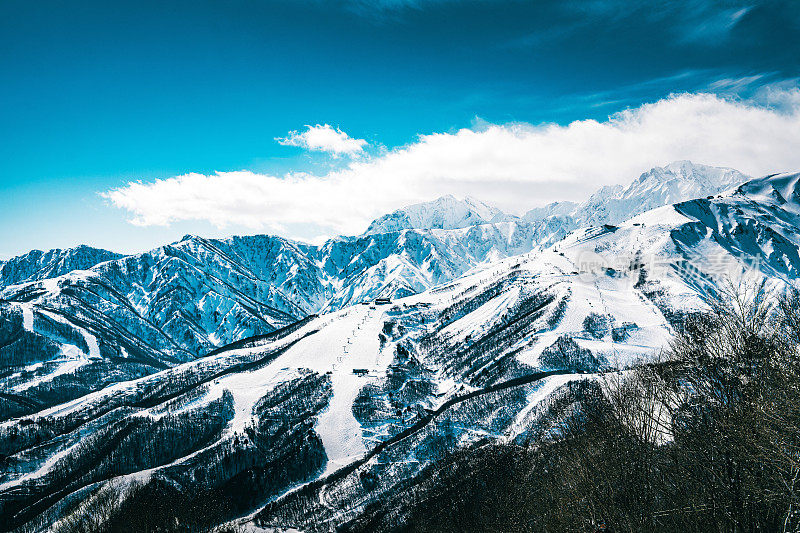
(363, 397)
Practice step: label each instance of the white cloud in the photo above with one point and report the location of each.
(513, 166)
(708, 24)
(324, 138)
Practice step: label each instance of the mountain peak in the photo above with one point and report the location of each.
(672, 183)
(39, 264)
(676, 182)
(685, 169)
(445, 212)
(683, 166)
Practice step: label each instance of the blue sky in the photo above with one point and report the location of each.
(96, 95)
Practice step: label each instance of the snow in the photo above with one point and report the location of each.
(27, 317)
(346, 340)
(600, 294)
(446, 212)
(45, 467)
(50, 285)
(350, 341)
(484, 316)
(460, 264)
(247, 389)
(676, 182)
(70, 358)
(91, 342)
(545, 388)
(660, 216)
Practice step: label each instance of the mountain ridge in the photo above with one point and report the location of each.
(152, 310)
(446, 212)
(672, 183)
(494, 354)
(37, 264)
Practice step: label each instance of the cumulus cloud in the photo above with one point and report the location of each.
(324, 138)
(513, 166)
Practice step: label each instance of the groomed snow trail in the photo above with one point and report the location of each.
(27, 317)
(346, 340)
(355, 338)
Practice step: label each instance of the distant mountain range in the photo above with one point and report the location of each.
(249, 350)
(149, 311)
(37, 265)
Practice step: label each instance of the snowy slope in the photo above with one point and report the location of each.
(446, 212)
(330, 390)
(38, 265)
(676, 182)
(673, 183)
(180, 301)
(145, 312)
(397, 347)
(153, 310)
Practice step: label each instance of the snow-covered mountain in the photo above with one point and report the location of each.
(305, 426)
(659, 186)
(121, 319)
(68, 332)
(446, 212)
(37, 265)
